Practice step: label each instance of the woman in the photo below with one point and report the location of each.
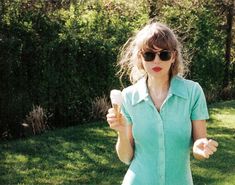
(163, 114)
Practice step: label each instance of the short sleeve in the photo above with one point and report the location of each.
(199, 109)
(124, 109)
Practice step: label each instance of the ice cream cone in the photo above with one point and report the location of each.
(116, 99)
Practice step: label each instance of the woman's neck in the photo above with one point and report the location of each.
(158, 86)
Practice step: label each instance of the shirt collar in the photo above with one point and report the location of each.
(177, 87)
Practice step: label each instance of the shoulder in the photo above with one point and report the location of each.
(189, 84)
(185, 88)
(195, 90)
(193, 86)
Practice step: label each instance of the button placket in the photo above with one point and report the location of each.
(161, 153)
(161, 141)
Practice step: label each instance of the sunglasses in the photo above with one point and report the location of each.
(164, 55)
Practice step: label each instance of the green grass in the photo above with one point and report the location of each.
(86, 155)
(220, 168)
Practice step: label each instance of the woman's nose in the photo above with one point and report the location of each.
(156, 59)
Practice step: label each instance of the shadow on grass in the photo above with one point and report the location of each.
(222, 164)
(86, 155)
(203, 180)
(79, 155)
(223, 105)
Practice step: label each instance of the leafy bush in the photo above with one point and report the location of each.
(60, 55)
(204, 42)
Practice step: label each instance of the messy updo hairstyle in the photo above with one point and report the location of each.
(152, 35)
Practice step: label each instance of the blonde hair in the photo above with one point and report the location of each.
(154, 34)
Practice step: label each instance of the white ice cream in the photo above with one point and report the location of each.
(116, 97)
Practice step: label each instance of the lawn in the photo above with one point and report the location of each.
(85, 155)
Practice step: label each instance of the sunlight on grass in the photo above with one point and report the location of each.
(13, 158)
(223, 114)
(85, 155)
(220, 118)
(220, 168)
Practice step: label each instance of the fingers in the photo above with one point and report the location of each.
(205, 154)
(208, 151)
(111, 116)
(210, 148)
(202, 154)
(111, 110)
(114, 125)
(205, 148)
(115, 121)
(213, 143)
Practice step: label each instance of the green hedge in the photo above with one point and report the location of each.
(60, 58)
(62, 54)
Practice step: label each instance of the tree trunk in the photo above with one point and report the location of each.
(228, 44)
(152, 8)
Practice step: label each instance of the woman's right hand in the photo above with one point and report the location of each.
(116, 122)
(125, 142)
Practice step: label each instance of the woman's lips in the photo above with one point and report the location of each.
(157, 69)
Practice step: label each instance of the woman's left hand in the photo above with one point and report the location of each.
(204, 148)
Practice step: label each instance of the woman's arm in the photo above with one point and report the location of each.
(125, 145)
(199, 129)
(125, 142)
(202, 147)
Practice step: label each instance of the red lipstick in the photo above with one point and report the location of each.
(156, 69)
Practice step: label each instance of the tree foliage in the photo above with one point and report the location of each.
(202, 28)
(61, 55)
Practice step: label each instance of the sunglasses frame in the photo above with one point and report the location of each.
(159, 55)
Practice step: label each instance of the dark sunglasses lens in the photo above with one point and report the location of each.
(149, 56)
(165, 55)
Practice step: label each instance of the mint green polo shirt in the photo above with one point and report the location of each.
(162, 139)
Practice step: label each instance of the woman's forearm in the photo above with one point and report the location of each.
(124, 147)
